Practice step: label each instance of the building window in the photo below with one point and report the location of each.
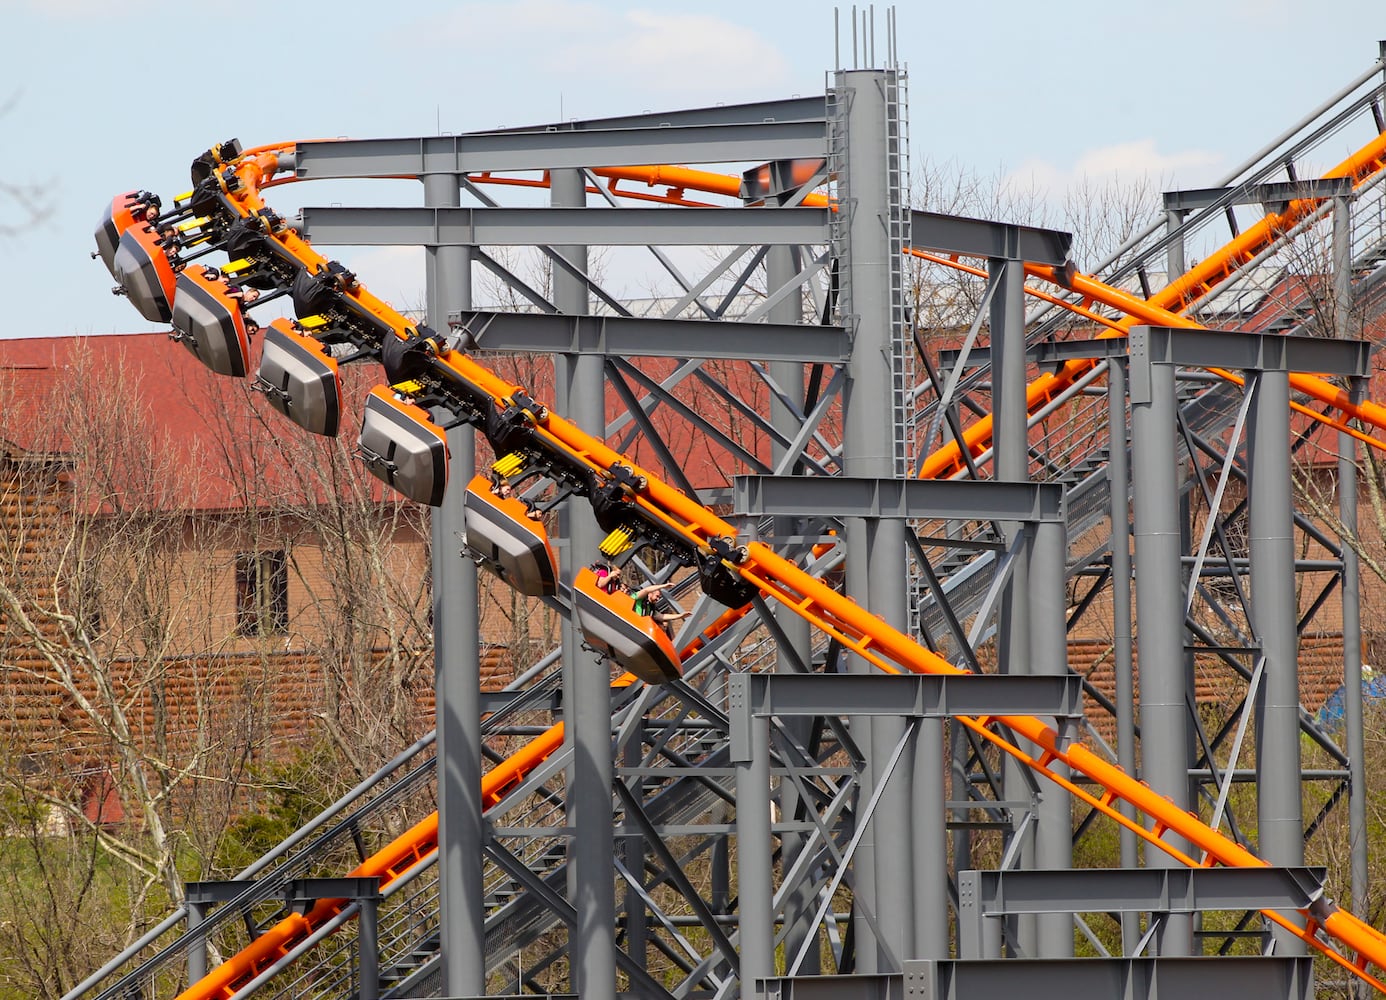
(262, 593)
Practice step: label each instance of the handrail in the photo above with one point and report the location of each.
(662, 509)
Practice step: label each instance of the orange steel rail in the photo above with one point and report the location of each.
(406, 851)
(1164, 308)
(855, 627)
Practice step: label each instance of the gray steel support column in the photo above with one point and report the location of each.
(197, 953)
(929, 846)
(1049, 645)
(1352, 593)
(896, 819)
(720, 877)
(1012, 461)
(1155, 477)
(858, 581)
(368, 948)
(633, 855)
(877, 558)
(1174, 253)
(1118, 477)
(1352, 671)
(457, 659)
(1012, 464)
(958, 751)
(753, 859)
(1274, 606)
(586, 681)
(789, 376)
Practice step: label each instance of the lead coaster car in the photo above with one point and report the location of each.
(402, 447)
(508, 542)
(611, 626)
(115, 220)
(300, 379)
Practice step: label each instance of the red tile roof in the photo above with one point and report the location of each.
(145, 424)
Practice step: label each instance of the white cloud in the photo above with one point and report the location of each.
(83, 9)
(1123, 163)
(689, 53)
(582, 47)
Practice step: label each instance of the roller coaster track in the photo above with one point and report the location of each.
(451, 379)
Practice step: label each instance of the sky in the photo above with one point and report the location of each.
(98, 97)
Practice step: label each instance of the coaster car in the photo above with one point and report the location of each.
(611, 626)
(300, 379)
(403, 447)
(118, 217)
(209, 321)
(145, 272)
(507, 541)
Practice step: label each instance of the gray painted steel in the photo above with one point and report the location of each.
(844, 496)
(1118, 479)
(877, 574)
(1051, 353)
(1352, 583)
(1155, 478)
(1010, 442)
(753, 855)
(1170, 345)
(1048, 598)
(1201, 348)
(1228, 978)
(796, 649)
(592, 943)
(466, 226)
(1173, 890)
(457, 662)
(629, 336)
(752, 112)
(932, 696)
(985, 238)
(1274, 612)
(556, 150)
(1193, 199)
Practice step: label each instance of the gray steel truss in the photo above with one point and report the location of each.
(782, 810)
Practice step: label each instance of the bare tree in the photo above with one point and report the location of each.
(28, 203)
(100, 577)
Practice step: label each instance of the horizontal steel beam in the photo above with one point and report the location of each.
(310, 890)
(625, 336)
(984, 238)
(845, 496)
(1166, 345)
(493, 702)
(464, 226)
(1200, 348)
(929, 696)
(754, 112)
(1048, 353)
(1227, 978)
(476, 152)
(1167, 890)
(1258, 194)
(851, 986)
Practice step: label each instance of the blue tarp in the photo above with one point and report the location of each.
(1331, 714)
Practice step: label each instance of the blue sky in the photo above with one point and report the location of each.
(100, 97)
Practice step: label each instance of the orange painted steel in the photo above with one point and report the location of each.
(401, 855)
(1095, 290)
(1164, 308)
(856, 628)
